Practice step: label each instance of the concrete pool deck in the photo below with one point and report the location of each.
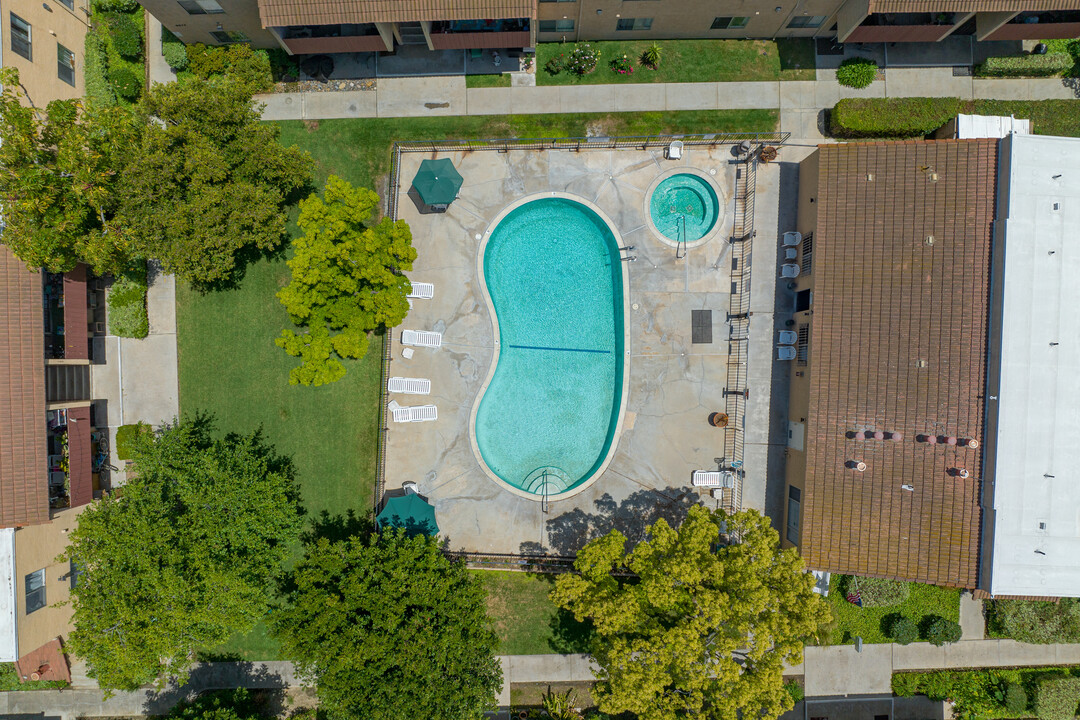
(674, 384)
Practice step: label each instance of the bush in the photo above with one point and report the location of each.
(127, 305)
(1016, 699)
(622, 65)
(1057, 698)
(126, 35)
(239, 62)
(903, 630)
(126, 436)
(205, 61)
(175, 54)
(1036, 621)
(115, 6)
(125, 82)
(891, 117)
(940, 631)
(554, 65)
(283, 65)
(98, 90)
(1026, 65)
(651, 57)
(795, 690)
(878, 592)
(582, 60)
(856, 72)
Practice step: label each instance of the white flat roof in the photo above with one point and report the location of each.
(1035, 453)
(990, 126)
(9, 646)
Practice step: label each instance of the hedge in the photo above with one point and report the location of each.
(1037, 621)
(891, 117)
(126, 435)
(121, 6)
(1026, 65)
(127, 305)
(95, 64)
(125, 82)
(125, 33)
(1057, 698)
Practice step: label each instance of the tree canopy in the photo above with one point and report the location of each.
(346, 281)
(691, 622)
(387, 627)
(187, 177)
(181, 557)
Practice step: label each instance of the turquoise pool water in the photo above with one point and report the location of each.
(684, 201)
(545, 422)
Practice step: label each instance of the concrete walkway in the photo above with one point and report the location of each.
(799, 102)
(972, 619)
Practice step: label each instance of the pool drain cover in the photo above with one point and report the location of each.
(701, 326)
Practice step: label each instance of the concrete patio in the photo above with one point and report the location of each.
(674, 384)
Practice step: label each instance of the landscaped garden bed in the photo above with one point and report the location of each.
(897, 118)
(113, 67)
(1046, 693)
(922, 602)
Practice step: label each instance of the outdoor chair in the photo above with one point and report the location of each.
(789, 270)
(791, 253)
(674, 150)
(409, 386)
(792, 238)
(785, 352)
(422, 291)
(421, 338)
(788, 337)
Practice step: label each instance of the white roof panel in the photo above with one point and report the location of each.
(9, 646)
(990, 126)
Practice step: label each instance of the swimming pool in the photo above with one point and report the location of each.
(684, 207)
(546, 420)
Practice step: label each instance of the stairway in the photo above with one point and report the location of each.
(67, 383)
(412, 34)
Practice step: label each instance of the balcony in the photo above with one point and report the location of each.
(66, 315)
(71, 457)
(468, 34)
(1050, 25)
(905, 27)
(312, 39)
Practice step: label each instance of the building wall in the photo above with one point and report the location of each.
(239, 16)
(37, 547)
(799, 398)
(51, 24)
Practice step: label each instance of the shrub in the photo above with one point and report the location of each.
(249, 67)
(554, 65)
(175, 54)
(205, 61)
(98, 90)
(622, 65)
(795, 690)
(651, 57)
(126, 435)
(582, 60)
(125, 82)
(1016, 699)
(903, 630)
(125, 33)
(283, 65)
(1037, 621)
(115, 6)
(891, 117)
(878, 592)
(856, 72)
(127, 305)
(1026, 65)
(1057, 698)
(940, 631)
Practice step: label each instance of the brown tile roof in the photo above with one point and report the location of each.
(279, 13)
(76, 341)
(24, 498)
(922, 6)
(884, 300)
(80, 457)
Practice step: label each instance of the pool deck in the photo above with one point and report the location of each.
(674, 384)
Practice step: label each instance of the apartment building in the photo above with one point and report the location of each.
(44, 41)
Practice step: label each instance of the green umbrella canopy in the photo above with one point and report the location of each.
(410, 512)
(437, 181)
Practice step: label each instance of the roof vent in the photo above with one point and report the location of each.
(948, 439)
(920, 363)
(970, 442)
(933, 177)
(896, 437)
(879, 435)
(858, 435)
(909, 488)
(929, 240)
(869, 177)
(857, 465)
(928, 439)
(959, 472)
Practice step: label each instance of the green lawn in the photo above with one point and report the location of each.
(853, 621)
(689, 61)
(1048, 117)
(485, 81)
(526, 620)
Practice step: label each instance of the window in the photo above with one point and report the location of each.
(20, 37)
(550, 26)
(229, 36)
(807, 253)
(806, 21)
(802, 348)
(201, 7)
(634, 24)
(729, 23)
(35, 591)
(794, 496)
(558, 0)
(69, 4)
(65, 65)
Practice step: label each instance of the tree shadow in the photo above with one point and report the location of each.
(569, 532)
(886, 623)
(242, 259)
(223, 676)
(568, 636)
(337, 528)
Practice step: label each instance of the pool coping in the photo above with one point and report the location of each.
(625, 274)
(721, 203)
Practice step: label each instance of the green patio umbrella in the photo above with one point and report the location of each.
(410, 512)
(437, 181)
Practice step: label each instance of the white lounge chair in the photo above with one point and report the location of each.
(785, 352)
(409, 386)
(674, 150)
(706, 478)
(416, 413)
(421, 338)
(789, 270)
(792, 238)
(423, 291)
(788, 337)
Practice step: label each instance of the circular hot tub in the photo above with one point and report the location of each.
(683, 207)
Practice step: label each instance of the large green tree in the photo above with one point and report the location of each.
(346, 281)
(187, 177)
(692, 622)
(387, 627)
(182, 556)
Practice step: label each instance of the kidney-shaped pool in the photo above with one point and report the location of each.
(547, 420)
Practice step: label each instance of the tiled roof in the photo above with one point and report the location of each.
(939, 6)
(898, 343)
(24, 498)
(281, 13)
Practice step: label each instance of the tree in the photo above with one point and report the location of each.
(346, 279)
(388, 627)
(236, 704)
(181, 557)
(703, 626)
